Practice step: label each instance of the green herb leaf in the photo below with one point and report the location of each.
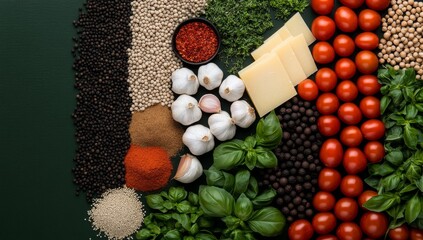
(242, 178)
(395, 157)
(394, 134)
(231, 222)
(268, 222)
(228, 155)
(172, 235)
(266, 158)
(144, 234)
(380, 169)
(413, 172)
(214, 177)
(205, 222)
(390, 182)
(269, 131)
(412, 208)
(381, 202)
(243, 207)
(252, 189)
(419, 183)
(251, 159)
(163, 216)
(265, 198)
(155, 201)
(373, 181)
(177, 194)
(205, 236)
(411, 112)
(193, 198)
(194, 229)
(384, 104)
(408, 188)
(250, 142)
(215, 202)
(229, 183)
(183, 207)
(410, 136)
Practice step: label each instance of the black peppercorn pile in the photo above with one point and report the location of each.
(102, 113)
(295, 178)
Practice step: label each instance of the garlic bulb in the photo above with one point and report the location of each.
(198, 139)
(209, 103)
(232, 88)
(184, 81)
(222, 126)
(210, 76)
(185, 110)
(189, 169)
(242, 113)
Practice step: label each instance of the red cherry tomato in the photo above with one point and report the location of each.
(323, 53)
(368, 85)
(416, 234)
(345, 68)
(308, 90)
(327, 103)
(344, 46)
(352, 3)
(351, 186)
(346, 91)
(369, 20)
(351, 136)
(349, 231)
(366, 62)
(370, 107)
(346, 20)
(374, 224)
(323, 28)
(329, 179)
(300, 230)
(326, 79)
(328, 125)
(327, 237)
(324, 223)
(378, 5)
(374, 151)
(322, 7)
(365, 196)
(331, 153)
(373, 129)
(323, 201)
(399, 233)
(349, 114)
(367, 41)
(346, 209)
(354, 161)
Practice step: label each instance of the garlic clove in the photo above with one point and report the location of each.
(189, 169)
(184, 81)
(210, 76)
(185, 110)
(198, 139)
(222, 126)
(232, 88)
(209, 103)
(242, 113)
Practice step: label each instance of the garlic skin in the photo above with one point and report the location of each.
(185, 110)
(184, 81)
(209, 103)
(242, 113)
(189, 169)
(232, 88)
(210, 76)
(222, 126)
(198, 139)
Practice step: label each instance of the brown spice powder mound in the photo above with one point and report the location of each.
(156, 127)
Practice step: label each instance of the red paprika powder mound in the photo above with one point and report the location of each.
(147, 168)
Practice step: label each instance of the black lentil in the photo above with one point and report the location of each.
(102, 114)
(295, 178)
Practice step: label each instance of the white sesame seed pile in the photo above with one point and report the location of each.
(118, 213)
(402, 42)
(151, 60)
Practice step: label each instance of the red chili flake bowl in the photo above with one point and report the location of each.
(196, 41)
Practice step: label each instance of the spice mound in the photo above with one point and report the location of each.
(118, 213)
(196, 42)
(147, 168)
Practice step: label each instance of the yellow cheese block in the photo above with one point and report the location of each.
(267, 83)
(297, 26)
(290, 62)
(301, 50)
(267, 47)
(283, 33)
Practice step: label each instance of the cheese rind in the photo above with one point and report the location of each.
(267, 83)
(283, 32)
(301, 50)
(297, 26)
(267, 47)
(290, 62)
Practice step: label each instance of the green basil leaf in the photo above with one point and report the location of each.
(249, 236)
(412, 208)
(396, 96)
(268, 222)
(383, 76)
(418, 95)
(408, 93)
(229, 155)
(396, 212)
(252, 189)
(194, 217)
(381, 169)
(215, 202)
(194, 229)
(172, 235)
(395, 157)
(373, 181)
(265, 198)
(205, 222)
(251, 159)
(237, 235)
(419, 184)
(411, 112)
(384, 104)
(144, 234)
(229, 182)
(193, 198)
(163, 216)
(397, 223)
(250, 142)
(266, 158)
(408, 188)
(164, 194)
(155, 201)
(214, 177)
(205, 236)
(381, 202)
(384, 90)
(410, 136)
(188, 238)
(231, 222)
(183, 207)
(177, 194)
(413, 172)
(269, 131)
(390, 182)
(242, 178)
(154, 229)
(419, 106)
(243, 207)
(394, 134)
